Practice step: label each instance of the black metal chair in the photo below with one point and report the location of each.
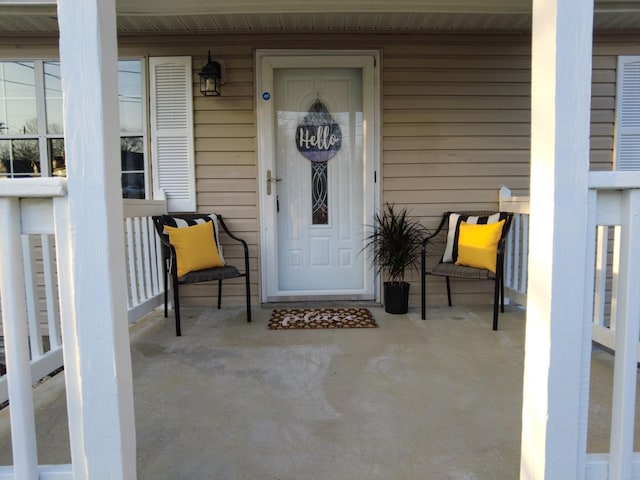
(447, 268)
(170, 261)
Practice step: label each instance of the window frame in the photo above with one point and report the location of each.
(43, 137)
(144, 96)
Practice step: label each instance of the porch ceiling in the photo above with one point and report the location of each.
(259, 16)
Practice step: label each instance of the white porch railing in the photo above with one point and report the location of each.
(517, 251)
(144, 284)
(614, 201)
(43, 314)
(144, 267)
(28, 209)
(612, 239)
(30, 295)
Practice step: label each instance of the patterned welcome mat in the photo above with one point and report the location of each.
(288, 318)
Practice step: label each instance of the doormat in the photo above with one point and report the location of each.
(309, 318)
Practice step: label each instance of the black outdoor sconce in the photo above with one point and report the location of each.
(211, 78)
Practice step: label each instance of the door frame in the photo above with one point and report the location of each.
(266, 61)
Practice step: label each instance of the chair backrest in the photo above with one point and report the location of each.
(185, 220)
(473, 216)
(508, 217)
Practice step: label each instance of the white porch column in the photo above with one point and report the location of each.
(556, 370)
(95, 328)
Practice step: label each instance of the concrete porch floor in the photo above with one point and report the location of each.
(413, 399)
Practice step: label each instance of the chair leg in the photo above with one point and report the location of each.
(448, 290)
(166, 294)
(423, 292)
(502, 294)
(176, 306)
(496, 301)
(248, 294)
(219, 294)
(423, 295)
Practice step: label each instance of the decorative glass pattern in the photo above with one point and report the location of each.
(319, 196)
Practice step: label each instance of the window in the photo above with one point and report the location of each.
(31, 127)
(25, 142)
(132, 129)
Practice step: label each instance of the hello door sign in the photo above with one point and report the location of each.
(318, 135)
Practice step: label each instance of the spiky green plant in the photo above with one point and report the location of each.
(395, 242)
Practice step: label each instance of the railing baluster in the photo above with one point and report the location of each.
(615, 270)
(156, 263)
(53, 312)
(31, 289)
(133, 290)
(137, 230)
(524, 275)
(602, 244)
(509, 260)
(147, 262)
(517, 252)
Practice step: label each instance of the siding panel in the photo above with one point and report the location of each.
(226, 167)
(456, 127)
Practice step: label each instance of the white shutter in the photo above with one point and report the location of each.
(172, 132)
(627, 150)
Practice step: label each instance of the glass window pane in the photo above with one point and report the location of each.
(57, 164)
(132, 154)
(18, 98)
(132, 165)
(133, 185)
(53, 97)
(20, 158)
(130, 96)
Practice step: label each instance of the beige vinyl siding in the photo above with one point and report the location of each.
(226, 168)
(603, 100)
(455, 125)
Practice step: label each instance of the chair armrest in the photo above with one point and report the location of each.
(237, 239)
(169, 256)
(423, 255)
(503, 239)
(158, 223)
(164, 239)
(437, 231)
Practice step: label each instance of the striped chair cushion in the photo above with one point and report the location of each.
(451, 248)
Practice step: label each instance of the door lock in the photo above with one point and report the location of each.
(270, 180)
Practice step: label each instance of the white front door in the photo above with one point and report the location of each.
(317, 161)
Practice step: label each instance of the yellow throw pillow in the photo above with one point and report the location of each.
(195, 247)
(478, 245)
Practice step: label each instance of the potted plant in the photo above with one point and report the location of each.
(394, 245)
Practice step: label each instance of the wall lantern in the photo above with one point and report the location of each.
(211, 78)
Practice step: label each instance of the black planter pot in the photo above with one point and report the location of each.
(396, 297)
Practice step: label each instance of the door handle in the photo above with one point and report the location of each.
(271, 180)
